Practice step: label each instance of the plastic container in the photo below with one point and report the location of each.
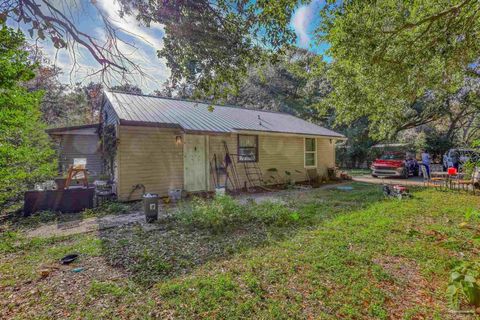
(175, 194)
(220, 191)
(150, 206)
(452, 171)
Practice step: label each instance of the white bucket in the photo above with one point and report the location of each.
(220, 191)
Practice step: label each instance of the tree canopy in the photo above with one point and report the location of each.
(293, 83)
(398, 62)
(128, 88)
(25, 153)
(206, 42)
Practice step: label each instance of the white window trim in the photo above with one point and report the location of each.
(305, 153)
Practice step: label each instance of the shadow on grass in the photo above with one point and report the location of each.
(169, 248)
(17, 221)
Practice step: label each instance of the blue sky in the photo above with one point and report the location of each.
(141, 43)
(304, 21)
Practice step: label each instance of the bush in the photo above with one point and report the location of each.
(463, 284)
(26, 156)
(223, 213)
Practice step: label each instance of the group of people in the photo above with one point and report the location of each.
(426, 160)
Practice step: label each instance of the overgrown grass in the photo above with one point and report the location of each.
(346, 255)
(107, 208)
(332, 269)
(224, 213)
(207, 230)
(99, 289)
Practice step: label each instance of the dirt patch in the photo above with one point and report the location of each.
(412, 181)
(86, 225)
(57, 290)
(408, 290)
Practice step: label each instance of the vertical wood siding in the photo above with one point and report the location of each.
(109, 115)
(80, 146)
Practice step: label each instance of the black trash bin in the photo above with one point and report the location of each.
(150, 206)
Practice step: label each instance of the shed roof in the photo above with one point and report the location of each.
(194, 116)
(86, 129)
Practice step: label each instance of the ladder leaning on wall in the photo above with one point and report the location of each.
(254, 175)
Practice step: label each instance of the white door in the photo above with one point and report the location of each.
(194, 163)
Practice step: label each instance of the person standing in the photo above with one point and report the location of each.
(426, 161)
(456, 159)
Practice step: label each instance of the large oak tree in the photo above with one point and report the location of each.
(399, 63)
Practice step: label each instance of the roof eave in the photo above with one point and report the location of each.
(59, 130)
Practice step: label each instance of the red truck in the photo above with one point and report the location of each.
(394, 164)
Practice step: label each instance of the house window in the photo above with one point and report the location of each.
(247, 148)
(310, 152)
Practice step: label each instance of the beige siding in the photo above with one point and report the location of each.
(148, 156)
(217, 147)
(325, 155)
(284, 153)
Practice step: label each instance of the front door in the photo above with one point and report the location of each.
(195, 165)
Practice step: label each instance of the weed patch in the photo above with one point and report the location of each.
(224, 213)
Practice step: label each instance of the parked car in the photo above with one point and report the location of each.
(395, 164)
(457, 157)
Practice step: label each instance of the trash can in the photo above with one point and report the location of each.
(150, 206)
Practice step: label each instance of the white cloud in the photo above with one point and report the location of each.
(78, 65)
(143, 53)
(130, 26)
(302, 19)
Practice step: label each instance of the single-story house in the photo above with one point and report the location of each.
(78, 142)
(165, 143)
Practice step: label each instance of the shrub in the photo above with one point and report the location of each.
(115, 208)
(463, 284)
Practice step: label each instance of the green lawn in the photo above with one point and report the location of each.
(338, 254)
